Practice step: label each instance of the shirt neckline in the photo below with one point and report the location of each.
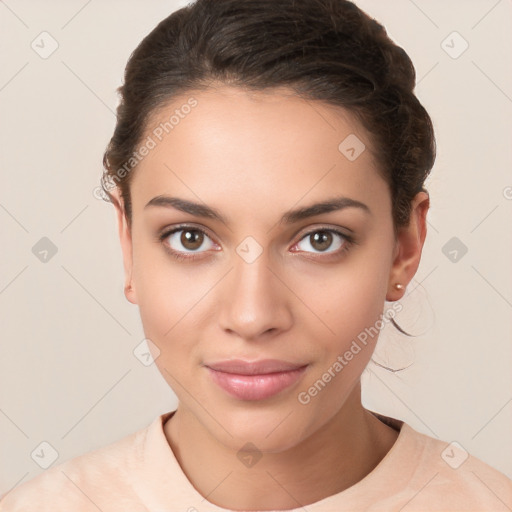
(170, 480)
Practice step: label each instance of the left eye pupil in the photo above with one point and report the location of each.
(322, 238)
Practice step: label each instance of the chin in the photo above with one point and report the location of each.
(271, 427)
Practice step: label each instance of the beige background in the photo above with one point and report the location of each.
(68, 374)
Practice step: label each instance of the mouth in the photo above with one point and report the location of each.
(255, 380)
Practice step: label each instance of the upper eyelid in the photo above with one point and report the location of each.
(339, 230)
(165, 232)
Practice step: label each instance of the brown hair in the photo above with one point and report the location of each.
(326, 50)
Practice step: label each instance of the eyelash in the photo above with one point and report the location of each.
(349, 241)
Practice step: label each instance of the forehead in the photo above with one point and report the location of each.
(259, 146)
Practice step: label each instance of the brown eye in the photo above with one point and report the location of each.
(187, 240)
(321, 240)
(191, 239)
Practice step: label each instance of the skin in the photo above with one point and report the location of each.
(253, 156)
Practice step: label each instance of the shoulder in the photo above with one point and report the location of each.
(447, 476)
(83, 483)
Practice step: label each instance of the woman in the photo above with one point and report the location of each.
(268, 169)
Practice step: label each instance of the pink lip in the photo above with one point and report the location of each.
(255, 380)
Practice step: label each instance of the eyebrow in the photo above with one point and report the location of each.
(289, 217)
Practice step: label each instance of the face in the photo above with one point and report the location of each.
(249, 281)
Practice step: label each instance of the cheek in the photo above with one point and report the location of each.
(351, 301)
(160, 291)
(166, 302)
(350, 317)
(171, 297)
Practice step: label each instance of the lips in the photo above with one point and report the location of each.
(255, 380)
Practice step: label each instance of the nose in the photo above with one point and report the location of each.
(254, 301)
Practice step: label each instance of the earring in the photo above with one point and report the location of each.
(399, 286)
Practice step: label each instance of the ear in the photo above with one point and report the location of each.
(408, 248)
(125, 238)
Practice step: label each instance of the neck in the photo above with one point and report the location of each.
(341, 453)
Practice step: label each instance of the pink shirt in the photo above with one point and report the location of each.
(140, 473)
